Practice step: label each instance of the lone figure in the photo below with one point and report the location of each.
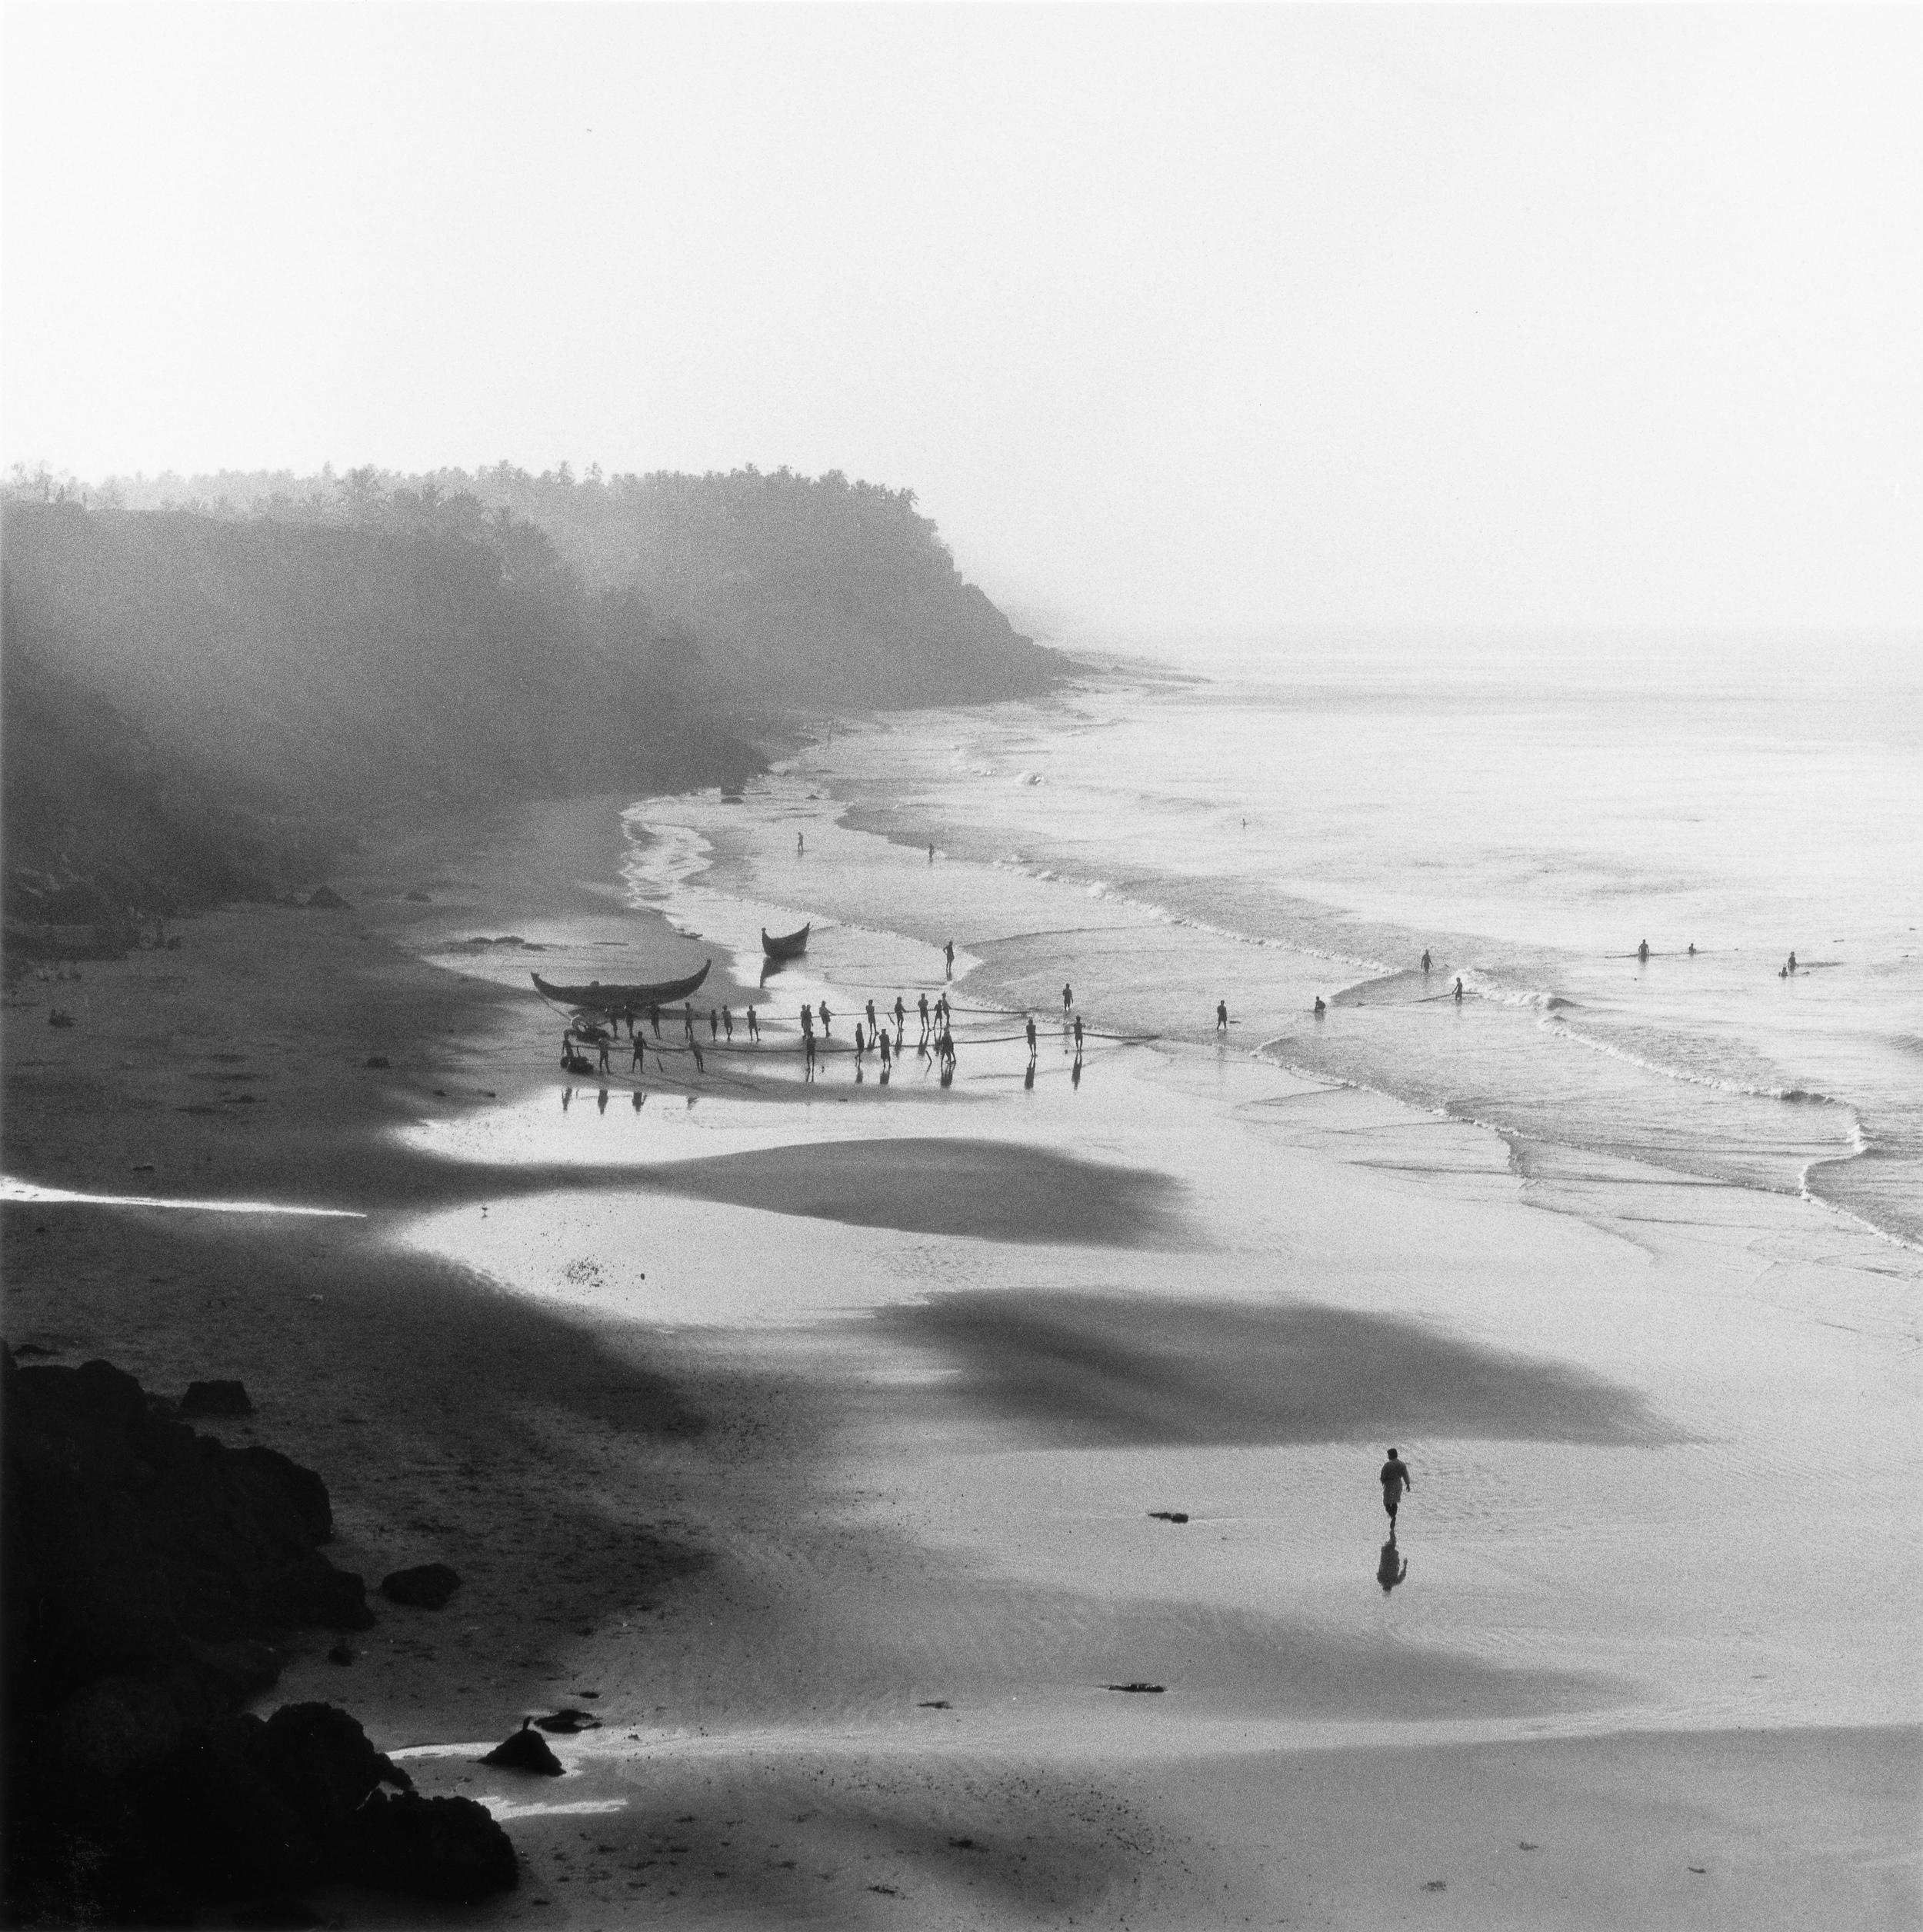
(1032, 1039)
(1458, 995)
(1642, 952)
(801, 844)
(1221, 1016)
(948, 953)
(1425, 959)
(1395, 1479)
(1067, 998)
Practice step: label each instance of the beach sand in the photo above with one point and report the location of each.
(811, 1438)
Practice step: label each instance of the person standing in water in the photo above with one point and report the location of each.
(1221, 1016)
(860, 1042)
(1067, 998)
(1458, 995)
(882, 1039)
(754, 1026)
(947, 955)
(1425, 959)
(921, 1006)
(688, 1020)
(1077, 1036)
(1395, 1478)
(827, 1017)
(1642, 952)
(638, 1064)
(900, 1018)
(653, 1017)
(1032, 1039)
(801, 844)
(871, 1019)
(728, 1023)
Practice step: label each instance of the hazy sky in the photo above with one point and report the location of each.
(1322, 314)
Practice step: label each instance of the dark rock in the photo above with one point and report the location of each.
(327, 900)
(340, 1653)
(300, 1486)
(1153, 1689)
(281, 1914)
(427, 1587)
(241, 1669)
(444, 1848)
(320, 1759)
(525, 1751)
(377, 1060)
(227, 1827)
(569, 1721)
(1169, 1516)
(215, 1398)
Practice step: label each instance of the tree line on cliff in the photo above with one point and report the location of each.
(211, 683)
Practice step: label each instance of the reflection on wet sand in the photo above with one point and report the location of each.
(1386, 1574)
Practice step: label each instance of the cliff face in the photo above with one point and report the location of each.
(198, 707)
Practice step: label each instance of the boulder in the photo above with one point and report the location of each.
(525, 1751)
(322, 1760)
(215, 1398)
(327, 900)
(426, 1587)
(443, 1848)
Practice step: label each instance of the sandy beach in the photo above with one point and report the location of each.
(812, 1436)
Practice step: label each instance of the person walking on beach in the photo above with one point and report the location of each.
(871, 1019)
(1221, 1016)
(807, 1020)
(1395, 1478)
(754, 1026)
(1077, 1036)
(861, 1045)
(901, 1015)
(1030, 1030)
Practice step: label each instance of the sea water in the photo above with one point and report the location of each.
(1266, 821)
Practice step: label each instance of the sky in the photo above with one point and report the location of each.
(1505, 317)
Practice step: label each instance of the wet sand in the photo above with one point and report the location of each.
(813, 1443)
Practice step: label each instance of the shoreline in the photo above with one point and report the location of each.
(607, 1483)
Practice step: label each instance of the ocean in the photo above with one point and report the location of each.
(1266, 822)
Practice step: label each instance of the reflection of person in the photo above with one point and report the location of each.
(1395, 1478)
(1388, 1574)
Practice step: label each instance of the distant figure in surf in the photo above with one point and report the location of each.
(881, 1040)
(754, 1026)
(638, 1063)
(1395, 1478)
(1425, 959)
(1692, 949)
(900, 1018)
(1792, 962)
(713, 1025)
(801, 844)
(871, 1019)
(921, 1006)
(1387, 1573)
(808, 1022)
(728, 1023)
(653, 1019)
(1077, 1036)
(1319, 1009)
(567, 1047)
(826, 1018)
(1458, 995)
(1031, 1040)
(947, 955)
(861, 1045)
(1221, 1016)
(1642, 952)
(807, 1049)
(931, 854)
(694, 1047)
(688, 1021)
(1067, 998)
(601, 1049)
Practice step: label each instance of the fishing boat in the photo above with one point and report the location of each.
(786, 945)
(594, 998)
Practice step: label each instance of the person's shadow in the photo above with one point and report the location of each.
(1387, 1572)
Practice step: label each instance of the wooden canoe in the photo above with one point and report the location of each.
(594, 998)
(786, 945)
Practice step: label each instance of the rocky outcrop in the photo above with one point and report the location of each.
(147, 1570)
(428, 1585)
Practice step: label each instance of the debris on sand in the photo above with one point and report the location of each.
(570, 1721)
(1168, 1516)
(1151, 1688)
(428, 1585)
